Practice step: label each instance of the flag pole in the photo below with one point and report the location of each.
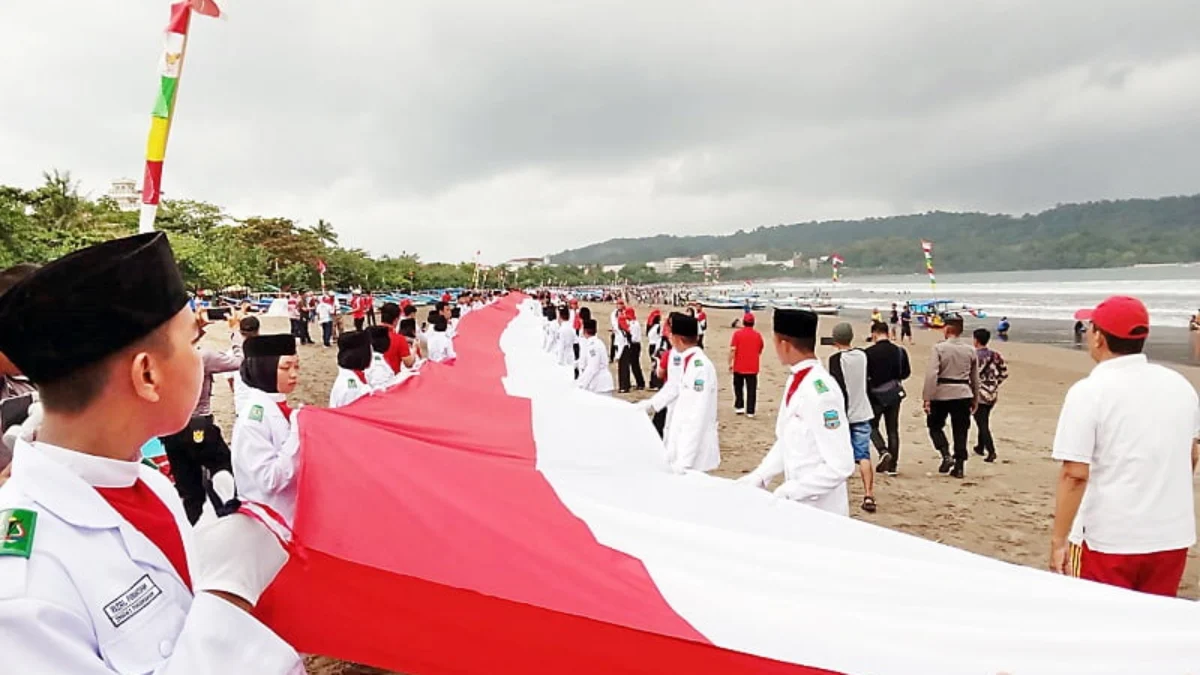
(170, 72)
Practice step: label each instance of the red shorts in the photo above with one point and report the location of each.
(1156, 573)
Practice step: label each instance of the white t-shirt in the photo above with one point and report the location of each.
(1134, 423)
(324, 312)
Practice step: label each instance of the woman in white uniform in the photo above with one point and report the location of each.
(380, 375)
(265, 436)
(354, 358)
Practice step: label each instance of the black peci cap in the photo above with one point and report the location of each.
(796, 323)
(685, 326)
(90, 304)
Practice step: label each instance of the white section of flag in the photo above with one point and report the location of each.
(788, 582)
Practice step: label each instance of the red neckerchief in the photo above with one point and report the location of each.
(796, 380)
(686, 360)
(138, 505)
(362, 377)
(285, 409)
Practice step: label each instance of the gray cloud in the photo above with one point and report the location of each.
(530, 126)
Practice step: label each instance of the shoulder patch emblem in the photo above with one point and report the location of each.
(17, 536)
(353, 383)
(832, 419)
(820, 386)
(698, 385)
(256, 413)
(677, 360)
(698, 362)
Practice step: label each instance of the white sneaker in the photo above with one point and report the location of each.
(750, 416)
(738, 411)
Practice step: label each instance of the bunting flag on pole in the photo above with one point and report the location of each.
(525, 546)
(927, 247)
(836, 260)
(170, 69)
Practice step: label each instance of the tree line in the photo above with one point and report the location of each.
(1094, 234)
(216, 251)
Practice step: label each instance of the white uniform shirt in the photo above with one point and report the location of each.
(565, 345)
(324, 312)
(264, 449)
(691, 433)
(348, 388)
(654, 336)
(441, 347)
(1134, 423)
(380, 374)
(96, 596)
(664, 397)
(812, 442)
(594, 374)
(635, 332)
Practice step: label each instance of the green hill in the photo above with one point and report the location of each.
(1095, 234)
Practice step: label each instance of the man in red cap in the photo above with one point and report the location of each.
(1127, 440)
(745, 354)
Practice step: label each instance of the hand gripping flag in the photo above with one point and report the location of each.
(546, 534)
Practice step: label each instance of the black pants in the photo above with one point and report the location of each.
(630, 365)
(983, 420)
(959, 412)
(891, 420)
(371, 318)
(635, 364)
(358, 323)
(305, 337)
(189, 457)
(327, 332)
(660, 421)
(750, 384)
(655, 381)
(295, 327)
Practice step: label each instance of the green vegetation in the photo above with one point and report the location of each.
(1096, 234)
(214, 251)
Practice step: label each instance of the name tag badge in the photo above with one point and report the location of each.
(126, 606)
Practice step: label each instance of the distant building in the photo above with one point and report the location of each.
(124, 191)
(521, 263)
(612, 269)
(748, 260)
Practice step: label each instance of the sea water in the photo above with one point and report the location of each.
(1171, 292)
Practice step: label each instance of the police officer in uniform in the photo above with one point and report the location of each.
(812, 437)
(99, 570)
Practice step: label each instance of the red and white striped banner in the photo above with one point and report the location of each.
(488, 517)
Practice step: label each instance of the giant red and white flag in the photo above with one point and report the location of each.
(488, 517)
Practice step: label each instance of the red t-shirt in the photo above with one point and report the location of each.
(749, 345)
(359, 307)
(397, 351)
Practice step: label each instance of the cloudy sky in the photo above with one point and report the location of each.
(520, 127)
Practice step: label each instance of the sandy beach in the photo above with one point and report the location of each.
(1002, 510)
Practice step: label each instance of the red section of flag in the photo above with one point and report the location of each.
(181, 17)
(152, 183)
(437, 547)
(321, 267)
(205, 7)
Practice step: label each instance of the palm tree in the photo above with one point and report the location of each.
(324, 232)
(59, 203)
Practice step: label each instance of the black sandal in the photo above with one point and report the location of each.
(868, 504)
